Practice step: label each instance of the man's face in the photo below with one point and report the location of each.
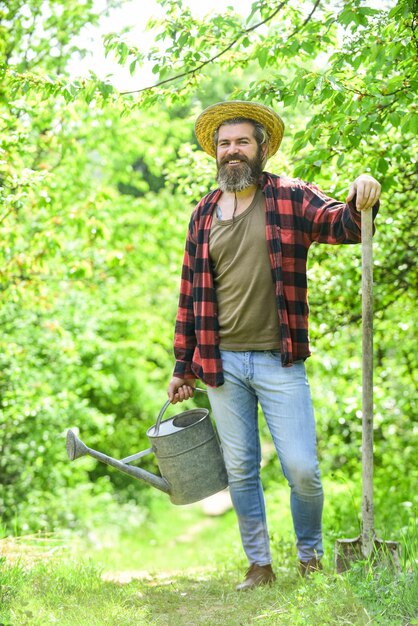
(238, 157)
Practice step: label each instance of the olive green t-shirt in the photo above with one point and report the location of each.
(247, 309)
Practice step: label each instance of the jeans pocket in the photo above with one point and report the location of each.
(276, 355)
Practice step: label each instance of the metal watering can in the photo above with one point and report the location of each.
(188, 454)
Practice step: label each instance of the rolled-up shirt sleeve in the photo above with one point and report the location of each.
(185, 336)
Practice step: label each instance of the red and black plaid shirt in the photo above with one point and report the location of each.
(297, 214)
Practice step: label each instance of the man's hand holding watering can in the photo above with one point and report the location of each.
(180, 389)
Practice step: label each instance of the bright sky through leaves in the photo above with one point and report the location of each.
(129, 17)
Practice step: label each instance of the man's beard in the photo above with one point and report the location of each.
(238, 177)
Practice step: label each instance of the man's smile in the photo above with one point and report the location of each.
(234, 161)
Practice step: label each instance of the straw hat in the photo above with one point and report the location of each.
(212, 117)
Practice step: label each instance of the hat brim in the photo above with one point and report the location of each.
(211, 118)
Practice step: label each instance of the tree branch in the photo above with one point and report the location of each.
(216, 56)
(297, 30)
(5, 215)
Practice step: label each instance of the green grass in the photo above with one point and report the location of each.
(74, 592)
(180, 567)
(12, 578)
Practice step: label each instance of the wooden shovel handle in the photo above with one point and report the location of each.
(367, 381)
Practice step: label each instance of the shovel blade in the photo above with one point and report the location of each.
(384, 554)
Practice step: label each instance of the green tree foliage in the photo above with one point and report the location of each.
(50, 243)
(96, 190)
(87, 224)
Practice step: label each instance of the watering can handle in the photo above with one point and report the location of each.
(163, 410)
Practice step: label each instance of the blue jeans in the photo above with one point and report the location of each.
(284, 396)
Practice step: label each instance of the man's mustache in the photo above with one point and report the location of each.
(236, 157)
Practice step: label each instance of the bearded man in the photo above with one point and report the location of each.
(242, 323)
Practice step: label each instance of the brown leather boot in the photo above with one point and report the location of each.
(308, 567)
(255, 576)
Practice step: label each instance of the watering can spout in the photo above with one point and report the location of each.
(76, 448)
